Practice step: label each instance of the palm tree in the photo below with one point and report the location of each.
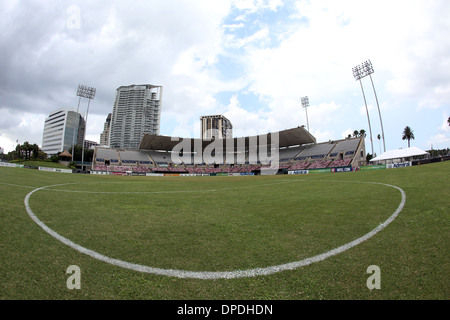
(362, 133)
(408, 134)
(379, 142)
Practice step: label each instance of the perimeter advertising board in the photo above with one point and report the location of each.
(398, 165)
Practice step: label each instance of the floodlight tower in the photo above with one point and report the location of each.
(358, 73)
(305, 104)
(368, 70)
(79, 94)
(88, 93)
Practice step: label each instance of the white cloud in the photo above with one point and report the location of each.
(95, 125)
(256, 5)
(363, 110)
(323, 135)
(332, 37)
(258, 37)
(442, 138)
(22, 127)
(233, 27)
(186, 47)
(347, 132)
(245, 123)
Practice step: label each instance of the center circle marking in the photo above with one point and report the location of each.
(213, 275)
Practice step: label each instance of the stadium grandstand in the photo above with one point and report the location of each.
(295, 149)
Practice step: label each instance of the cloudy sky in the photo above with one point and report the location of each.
(250, 60)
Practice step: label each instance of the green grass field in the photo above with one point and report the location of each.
(224, 224)
(46, 164)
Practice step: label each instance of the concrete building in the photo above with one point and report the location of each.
(62, 129)
(88, 144)
(216, 126)
(104, 136)
(137, 111)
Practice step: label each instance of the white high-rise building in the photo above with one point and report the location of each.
(62, 129)
(137, 111)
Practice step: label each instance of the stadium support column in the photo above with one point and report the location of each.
(305, 104)
(358, 74)
(88, 93)
(368, 70)
(78, 110)
(368, 118)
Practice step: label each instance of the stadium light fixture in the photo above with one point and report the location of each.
(359, 73)
(305, 104)
(88, 93)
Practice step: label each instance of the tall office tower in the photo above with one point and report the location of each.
(62, 129)
(104, 136)
(216, 126)
(137, 111)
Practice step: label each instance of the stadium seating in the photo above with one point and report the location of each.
(340, 163)
(100, 167)
(317, 151)
(288, 154)
(329, 154)
(345, 146)
(320, 164)
(300, 166)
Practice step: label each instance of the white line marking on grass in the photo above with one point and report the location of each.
(174, 191)
(211, 275)
(16, 185)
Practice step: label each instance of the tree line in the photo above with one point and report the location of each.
(408, 134)
(32, 152)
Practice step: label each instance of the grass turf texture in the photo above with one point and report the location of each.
(224, 224)
(45, 164)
